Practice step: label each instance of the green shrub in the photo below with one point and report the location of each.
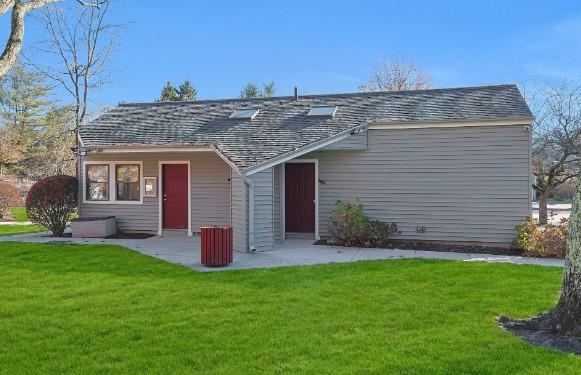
(547, 241)
(379, 233)
(351, 227)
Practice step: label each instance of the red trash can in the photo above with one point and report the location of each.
(216, 245)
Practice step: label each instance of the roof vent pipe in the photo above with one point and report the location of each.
(296, 94)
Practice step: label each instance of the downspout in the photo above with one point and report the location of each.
(250, 183)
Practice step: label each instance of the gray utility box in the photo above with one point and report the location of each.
(98, 227)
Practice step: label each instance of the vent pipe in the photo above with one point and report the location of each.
(296, 94)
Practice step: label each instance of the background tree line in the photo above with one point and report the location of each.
(37, 134)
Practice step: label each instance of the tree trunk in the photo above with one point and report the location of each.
(544, 197)
(568, 309)
(565, 318)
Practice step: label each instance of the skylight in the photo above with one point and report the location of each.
(244, 113)
(322, 112)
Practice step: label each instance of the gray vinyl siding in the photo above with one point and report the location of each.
(239, 199)
(461, 184)
(263, 210)
(277, 202)
(355, 142)
(210, 192)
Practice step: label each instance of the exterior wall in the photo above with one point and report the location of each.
(263, 209)
(355, 142)
(277, 209)
(461, 184)
(239, 199)
(210, 191)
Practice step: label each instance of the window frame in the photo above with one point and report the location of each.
(113, 181)
(139, 173)
(86, 182)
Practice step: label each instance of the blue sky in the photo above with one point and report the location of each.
(331, 46)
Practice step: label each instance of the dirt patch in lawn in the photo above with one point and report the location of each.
(542, 338)
(443, 247)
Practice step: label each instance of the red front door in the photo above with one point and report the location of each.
(299, 197)
(175, 196)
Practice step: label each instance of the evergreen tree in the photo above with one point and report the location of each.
(169, 93)
(24, 101)
(187, 91)
(252, 90)
(268, 89)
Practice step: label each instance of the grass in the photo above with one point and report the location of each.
(10, 229)
(106, 309)
(19, 214)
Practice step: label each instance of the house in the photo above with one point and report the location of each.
(449, 165)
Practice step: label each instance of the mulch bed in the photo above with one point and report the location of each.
(436, 246)
(117, 236)
(542, 338)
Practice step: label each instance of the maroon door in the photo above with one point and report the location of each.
(299, 197)
(175, 196)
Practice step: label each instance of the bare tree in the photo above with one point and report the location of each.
(390, 75)
(557, 136)
(82, 40)
(19, 11)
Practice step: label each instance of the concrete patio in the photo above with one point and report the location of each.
(186, 251)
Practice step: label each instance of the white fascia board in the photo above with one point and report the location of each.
(386, 125)
(226, 160)
(80, 140)
(145, 149)
(305, 150)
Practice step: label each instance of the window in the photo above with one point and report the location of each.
(113, 182)
(127, 182)
(248, 114)
(98, 182)
(322, 112)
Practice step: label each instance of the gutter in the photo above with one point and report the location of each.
(250, 184)
(452, 123)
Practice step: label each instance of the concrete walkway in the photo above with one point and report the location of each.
(186, 251)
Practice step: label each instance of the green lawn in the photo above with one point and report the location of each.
(105, 309)
(19, 214)
(10, 229)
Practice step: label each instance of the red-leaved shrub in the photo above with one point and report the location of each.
(8, 197)
(51, 201)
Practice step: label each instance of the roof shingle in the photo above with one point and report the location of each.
(281, 125)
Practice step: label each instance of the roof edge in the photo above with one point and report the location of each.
(148, 147)
(304, 150)
(311, 96)
(452, 123)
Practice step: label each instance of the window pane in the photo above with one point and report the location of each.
(97, 182)
(127, 180)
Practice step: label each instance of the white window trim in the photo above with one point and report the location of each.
(160, 195)
(112, 182)
(316, 162)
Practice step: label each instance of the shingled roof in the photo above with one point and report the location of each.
(281, 127)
